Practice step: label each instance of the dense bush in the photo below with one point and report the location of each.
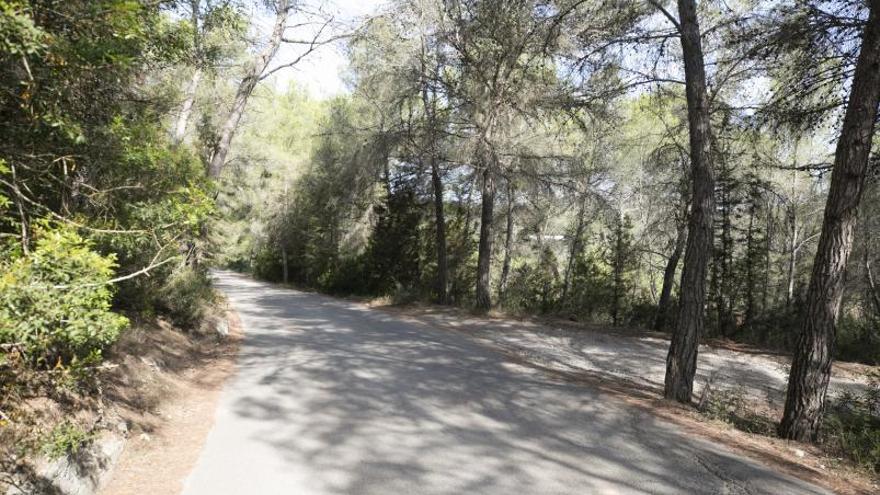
(185, 296)
(852, 426)
(858, 340)
(591, 287)
(534, 288)
(348, 278)
(55, 300)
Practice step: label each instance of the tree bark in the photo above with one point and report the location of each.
(483, 296)
(617, 272)
(575, 247)
(284, 269)
(440, 233)
(872, 286)
(508, 243)
(681, 362)
(811, 366)
(669, 279)
(186, 109)
(792, 255)
(429, 105)
(246, 88)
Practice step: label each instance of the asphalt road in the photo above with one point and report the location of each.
(331, 397)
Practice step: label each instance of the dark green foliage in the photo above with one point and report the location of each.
(858, 340)
(185, 296)
(534, 288)
(591, 287)
(390, 265)
(350, 277)
(620, 256)
(392, 258)
(852, 427)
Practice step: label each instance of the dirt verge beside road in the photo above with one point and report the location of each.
(166, 436)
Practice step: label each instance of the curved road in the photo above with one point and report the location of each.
(331, 397)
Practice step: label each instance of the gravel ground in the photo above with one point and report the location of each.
(636, 357)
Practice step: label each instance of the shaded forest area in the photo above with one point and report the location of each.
(701, 169)
(632, 165)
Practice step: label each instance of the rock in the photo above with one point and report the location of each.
(122, 428)
(80, 474)
(799, 453)
(222, 327)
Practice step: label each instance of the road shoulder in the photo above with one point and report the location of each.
(165, 441)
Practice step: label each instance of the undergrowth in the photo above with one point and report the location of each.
(66, 438)
(850, 428)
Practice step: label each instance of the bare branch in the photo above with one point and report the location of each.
(666, 13)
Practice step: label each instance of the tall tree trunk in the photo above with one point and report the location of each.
(508, 243)
(186, 108)
(484, 258)
(575, 247)
(872, 286)
(440, 233)
(792, 255)
(246, 88)
(811, 367)
(669, 278)
(284, 268)
(751, 259)
(429, 104)
(617, 272)
(681, 362)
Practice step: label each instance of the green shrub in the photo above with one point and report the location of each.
(851, 427)
(55, 300)
(65, 439)
(534, 288)
(185, 296)
(858, 340)
(348, 278)
(642, 314)
(591, 287)
(732, 406)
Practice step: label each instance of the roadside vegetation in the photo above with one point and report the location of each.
(101, 215)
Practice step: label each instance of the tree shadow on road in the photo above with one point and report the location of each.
(369, 403)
